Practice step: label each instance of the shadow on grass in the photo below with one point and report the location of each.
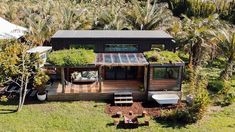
(7, 111)
(122, 125)
(170, 124)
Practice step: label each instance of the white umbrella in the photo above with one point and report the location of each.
(10, 31)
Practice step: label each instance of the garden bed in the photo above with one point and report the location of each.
(152, 108)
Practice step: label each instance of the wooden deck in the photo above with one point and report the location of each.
(107, 87)
(91, 91)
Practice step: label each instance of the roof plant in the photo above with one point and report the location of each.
(71, 57)
(162, 57)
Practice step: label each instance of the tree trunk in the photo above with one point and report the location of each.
(25, 91)
(21, 93)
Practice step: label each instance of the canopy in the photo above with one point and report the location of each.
(121, 59)
(10, 31)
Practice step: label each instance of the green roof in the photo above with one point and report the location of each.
(72, 57)
(162, 57)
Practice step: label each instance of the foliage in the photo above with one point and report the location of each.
(147, 16)
(162, 57)
(227, 45)
(191, 113)
(228, 99)
(3, 98)
(17, 66)
(184, 56)
(72, 57)
(40, 80)
(215, 86)
(226, 96)
(203, 8)
(112, 17)
(199, 37)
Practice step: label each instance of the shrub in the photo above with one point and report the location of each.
(39, 82)
(215, 86)
(162, 57)
(193, 112)
(228, 99)
(226, 96)
(3, 99)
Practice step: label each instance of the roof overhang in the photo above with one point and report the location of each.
(63, 38)
(40, 49)
(91, 34)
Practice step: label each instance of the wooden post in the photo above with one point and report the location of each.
(146, 79)
(62, 80)
(180, 77)
(100, 78)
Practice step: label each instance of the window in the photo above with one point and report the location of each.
(121, 47)
(85, 46)
(165, 73)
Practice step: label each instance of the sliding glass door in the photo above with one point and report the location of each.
(120, 73)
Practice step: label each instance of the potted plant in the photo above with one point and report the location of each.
(40, 80)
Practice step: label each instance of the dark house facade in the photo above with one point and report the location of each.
(120, 61)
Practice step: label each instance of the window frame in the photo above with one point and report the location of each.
(122, 46)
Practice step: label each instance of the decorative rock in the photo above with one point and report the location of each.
(144, 113)
(119, 114)
(116, 121)
(131, 113)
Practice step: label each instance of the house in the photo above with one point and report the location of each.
(42, 51)
(121, 65)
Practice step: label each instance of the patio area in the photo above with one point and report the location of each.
(108, 86)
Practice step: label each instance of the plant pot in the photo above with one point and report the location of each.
(189, 99)
(42, 97)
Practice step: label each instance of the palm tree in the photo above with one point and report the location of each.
(149, 16)
(227, 45)
(199, 37)
(111, 18)
(73, 17)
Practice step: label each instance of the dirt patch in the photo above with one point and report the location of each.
(137, 108)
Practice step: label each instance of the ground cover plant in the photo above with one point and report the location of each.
(72, 57)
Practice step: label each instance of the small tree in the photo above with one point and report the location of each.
(18, 67)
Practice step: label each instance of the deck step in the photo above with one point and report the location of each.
(120, 98)
(122, 93)
(123, 102)
(123, 98)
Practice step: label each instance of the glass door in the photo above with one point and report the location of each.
(120, 73)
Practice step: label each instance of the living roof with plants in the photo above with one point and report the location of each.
(72, 57)
(162, 57)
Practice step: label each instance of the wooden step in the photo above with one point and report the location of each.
(123, 102)
(122, 93)
(123, 98)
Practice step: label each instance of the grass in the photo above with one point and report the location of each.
(90, 116)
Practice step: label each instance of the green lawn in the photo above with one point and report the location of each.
(90, 116)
